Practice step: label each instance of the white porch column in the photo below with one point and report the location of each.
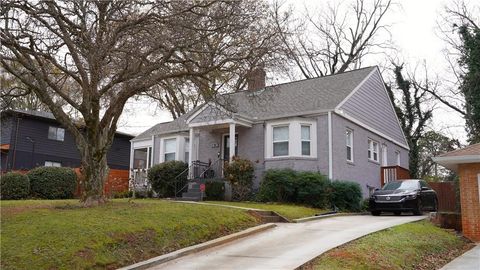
(190, 152)
(232, 141)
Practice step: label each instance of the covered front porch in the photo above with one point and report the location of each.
(212, 146)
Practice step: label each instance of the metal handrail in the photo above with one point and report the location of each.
(201, 175)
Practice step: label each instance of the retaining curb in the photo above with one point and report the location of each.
(306, 219)
(196, 248)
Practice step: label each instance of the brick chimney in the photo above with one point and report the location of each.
(256, 79)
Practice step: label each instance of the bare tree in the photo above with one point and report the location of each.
(411, 103)
(107, 52)
(336, 39)
(254, 32)
(459, 28)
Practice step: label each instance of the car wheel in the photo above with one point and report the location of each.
(418, 209)
(397, 213)
(376, 213)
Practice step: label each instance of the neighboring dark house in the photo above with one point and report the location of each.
(31, 139)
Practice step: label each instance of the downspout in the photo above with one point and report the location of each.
(330, 147)
(15, 144)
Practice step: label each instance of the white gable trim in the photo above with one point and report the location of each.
(355, 89)
(205, 106)
(367, 127)
(238, 121)
(386, 93)
(391, 105)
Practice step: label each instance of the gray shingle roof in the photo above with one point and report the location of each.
(293, 98)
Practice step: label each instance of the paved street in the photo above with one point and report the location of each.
(287, 246)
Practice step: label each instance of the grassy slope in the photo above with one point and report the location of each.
(60, 235)
(418, 245)
(289, 211)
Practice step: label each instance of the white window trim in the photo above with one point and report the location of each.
(52, 163)
(294, 137)
(398, 158)
(56, 134)
(179, 149)
(349, 144)
(309, 140)
(281, 141)
(174, 152)
(186, 149)
(372, 150)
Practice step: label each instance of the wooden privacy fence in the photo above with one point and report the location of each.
(446, 196)
(117, 181)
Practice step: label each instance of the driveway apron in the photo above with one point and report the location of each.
(288, 245)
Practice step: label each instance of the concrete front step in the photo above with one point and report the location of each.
(268, 216)
(189, 199)
(191, 194)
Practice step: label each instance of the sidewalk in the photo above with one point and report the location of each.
(469, 260)
(288, 245)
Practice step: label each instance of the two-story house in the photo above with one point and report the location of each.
(31, 139)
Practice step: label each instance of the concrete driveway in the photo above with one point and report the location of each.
(287, 246)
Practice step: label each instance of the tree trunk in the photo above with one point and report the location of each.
(94, 174)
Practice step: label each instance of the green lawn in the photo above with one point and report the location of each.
(39, 234)
(289, 211)
(418, 245)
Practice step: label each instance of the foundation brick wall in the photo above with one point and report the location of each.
(470, 201)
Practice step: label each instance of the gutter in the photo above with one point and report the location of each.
(330, 147)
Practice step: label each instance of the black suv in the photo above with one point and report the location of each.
(411, 195)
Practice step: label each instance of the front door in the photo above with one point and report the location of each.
(226, 146)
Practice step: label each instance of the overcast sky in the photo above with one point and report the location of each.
(413, 30)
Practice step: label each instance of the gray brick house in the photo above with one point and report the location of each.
(342, 125)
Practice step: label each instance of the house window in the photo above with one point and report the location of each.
(349, 144)
(170, 149)
(305, 130)
(373, 150)
(187, 149)
(397, 155)
(52, 164)
(280, 141)
(56, 133)
(140, 158)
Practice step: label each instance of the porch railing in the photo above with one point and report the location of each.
(200, 170)
(393, 173)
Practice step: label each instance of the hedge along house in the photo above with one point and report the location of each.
(466, 163)
(342, 125)
(31, 139)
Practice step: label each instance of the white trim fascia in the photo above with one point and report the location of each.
(304, 114)
(142, 144)
(367, 127)
(355, 90)
(219, 122)
(201, 109)
(337, 108)
(457, 159)
(330, 147)
(213, 104)
(391, 105)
